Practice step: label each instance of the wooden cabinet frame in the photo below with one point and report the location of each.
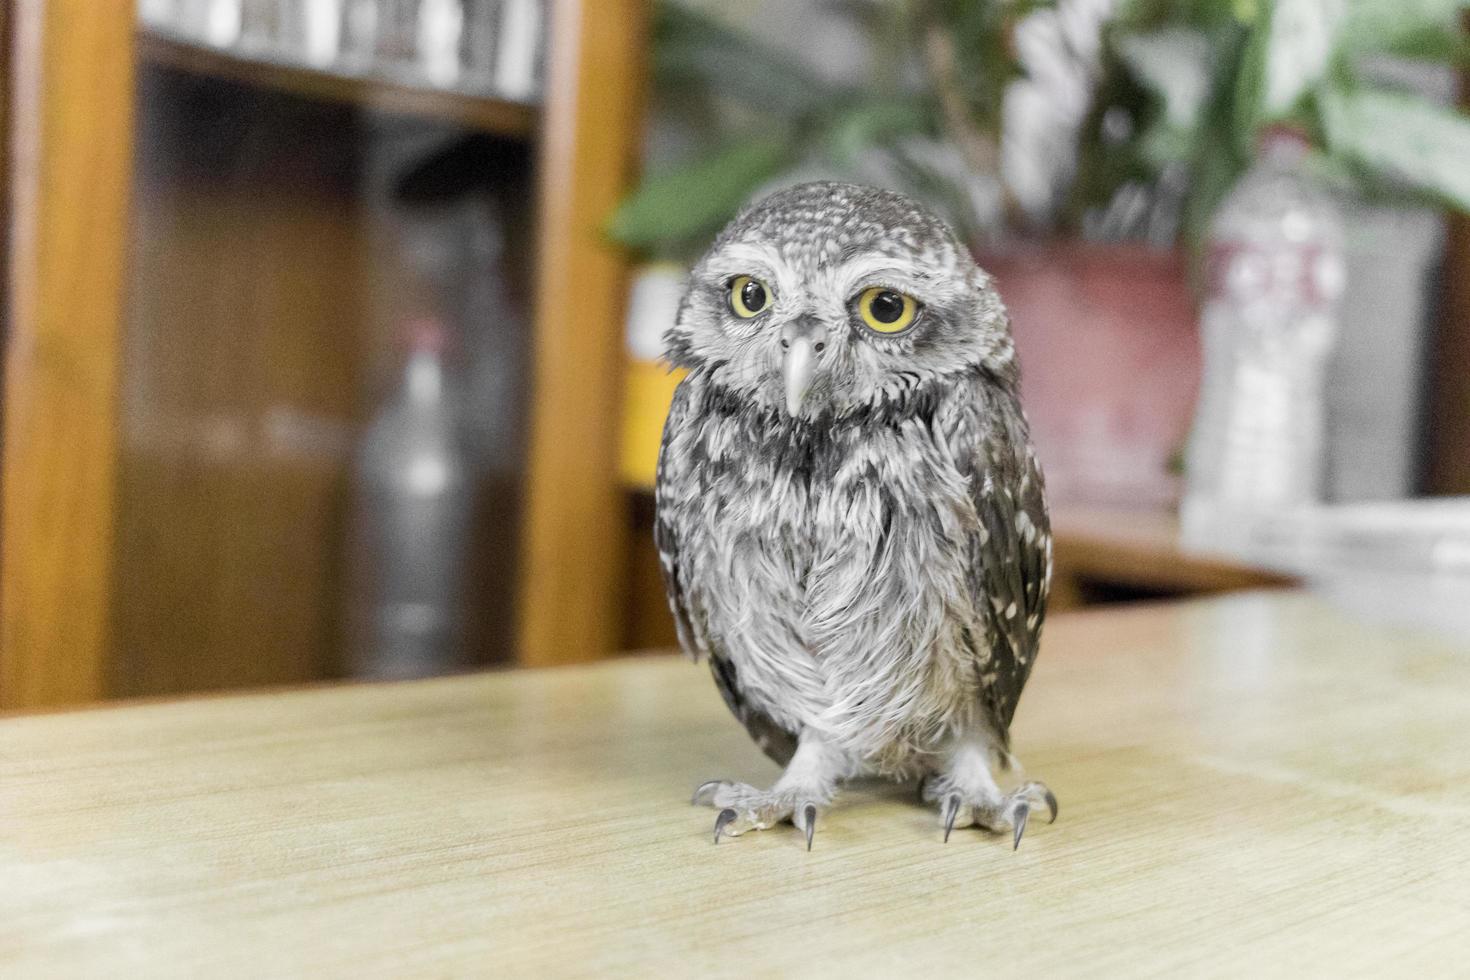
(70, 143)
(69, 119)
(576, 522)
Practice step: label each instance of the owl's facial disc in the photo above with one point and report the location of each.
(801, 341)
(828, 300)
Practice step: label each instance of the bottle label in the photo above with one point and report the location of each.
(1307, 276)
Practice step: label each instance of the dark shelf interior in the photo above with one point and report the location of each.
(478, 113)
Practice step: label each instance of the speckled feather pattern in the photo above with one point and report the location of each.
(876, 567)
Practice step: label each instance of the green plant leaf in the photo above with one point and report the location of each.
(1403, 138)
(1162, 144)
(866, 124)
(694, 200)
(1216, 168)
(1243, 94)
(1438, 45)
(694, 49)
(1426, 30)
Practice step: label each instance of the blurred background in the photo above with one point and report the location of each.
(332, 326)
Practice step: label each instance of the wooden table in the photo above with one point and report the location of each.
(1250, 785)
(1106, 553)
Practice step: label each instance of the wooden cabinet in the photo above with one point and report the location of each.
(200, 304)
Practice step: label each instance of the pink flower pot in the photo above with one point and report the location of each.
(1110, 359)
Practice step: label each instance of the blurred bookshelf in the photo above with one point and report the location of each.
(469, 110)
(224, 252)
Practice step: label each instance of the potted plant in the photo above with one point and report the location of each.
(759, 116)
(1082, 147)
(1187, 90)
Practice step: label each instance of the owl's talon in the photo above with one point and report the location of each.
(745, 808)
(725, 819)
(987, 808)
(951, 811)
(704, 795)
(919, 791)
(1033, 795)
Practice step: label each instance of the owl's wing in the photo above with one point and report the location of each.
(668, 485)
(675, 482)
(1010, 552)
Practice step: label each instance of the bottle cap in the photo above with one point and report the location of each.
(426, 334)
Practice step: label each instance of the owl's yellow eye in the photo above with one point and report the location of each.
(886, 310)
(748, 297)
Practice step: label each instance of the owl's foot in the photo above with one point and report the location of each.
(745, 808)
(808, 784)
(968, 795)
(988, 808)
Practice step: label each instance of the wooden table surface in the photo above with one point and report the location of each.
(1140, 550)
(1249, 785)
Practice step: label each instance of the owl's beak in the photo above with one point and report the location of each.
(802, 341)
(799, 368)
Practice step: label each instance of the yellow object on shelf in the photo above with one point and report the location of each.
(647, 394)
(648, 390)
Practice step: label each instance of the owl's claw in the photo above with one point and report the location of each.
(989, 810)
(1022, 812)
(951, 810)
(1050, 799)
(725, 819)
(704, 795)
(745, 808)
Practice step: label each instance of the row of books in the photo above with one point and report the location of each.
(483, 47)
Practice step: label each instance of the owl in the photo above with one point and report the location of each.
(850, 517)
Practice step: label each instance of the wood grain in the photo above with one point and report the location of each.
(1250, 785)
(1448, 430)
(1447, 427)
(7, 41)
(575, 533)
(71, 144)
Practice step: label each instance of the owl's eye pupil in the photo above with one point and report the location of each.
(753, 295)
(887, 307)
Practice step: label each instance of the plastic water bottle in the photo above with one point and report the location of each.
(1274, 278)
(409, 525)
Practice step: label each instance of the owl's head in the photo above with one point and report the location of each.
(832, 298)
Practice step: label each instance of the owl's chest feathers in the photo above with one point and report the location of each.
(831, 567)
